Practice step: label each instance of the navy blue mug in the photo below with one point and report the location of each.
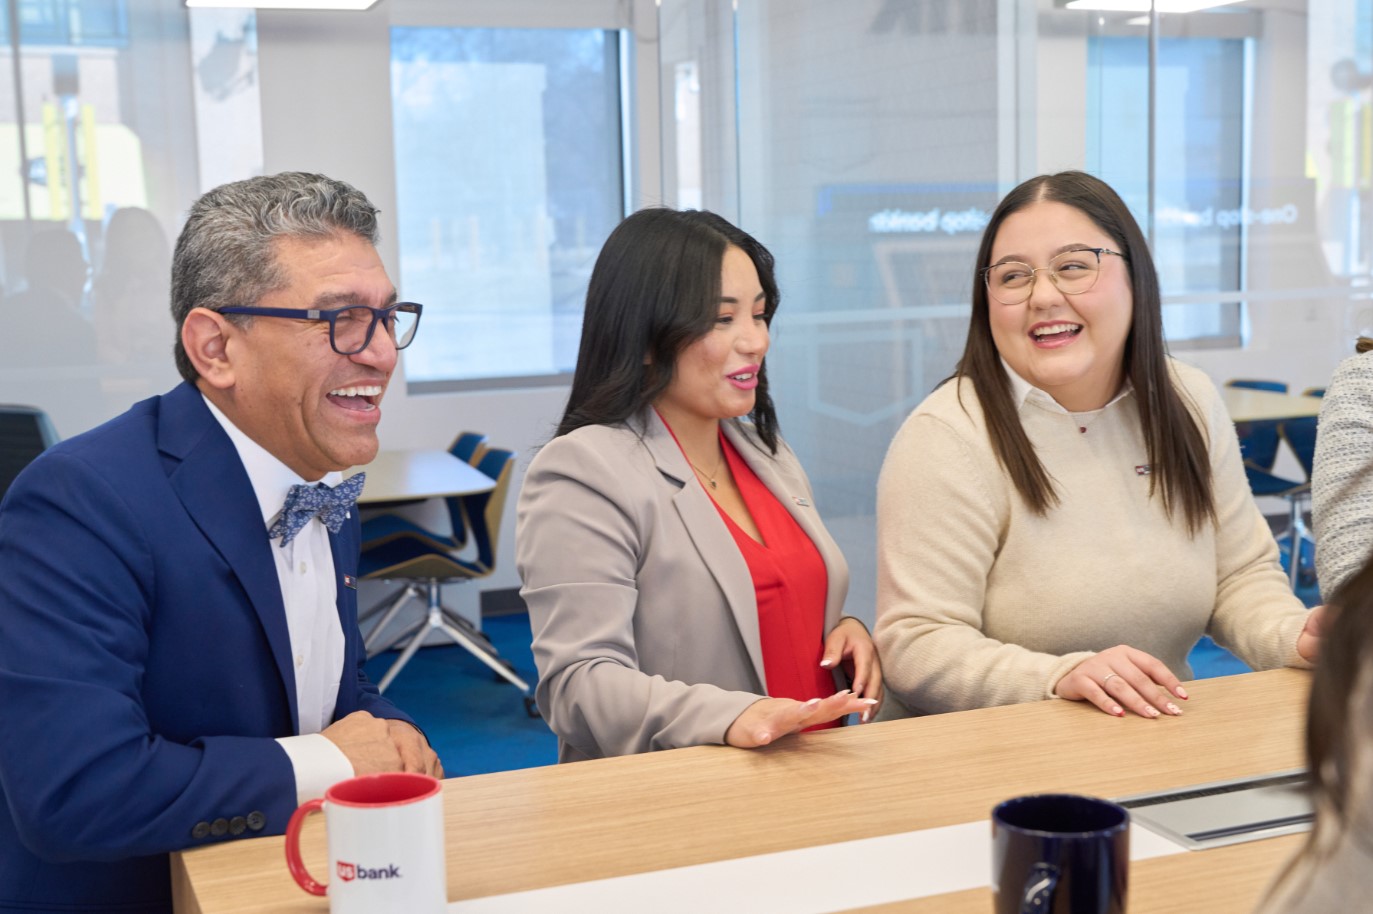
(1057, 853)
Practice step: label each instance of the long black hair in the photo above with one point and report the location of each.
(654, 291)
(1176, 446)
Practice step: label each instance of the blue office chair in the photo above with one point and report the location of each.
(468, 447)
(423, 562)
(25, 432)
(1300, 435)
(378, 529)
(1258, 438)
(1277, 387)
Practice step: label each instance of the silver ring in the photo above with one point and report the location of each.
(1108, 679)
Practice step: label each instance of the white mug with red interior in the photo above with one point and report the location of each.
(385, 835)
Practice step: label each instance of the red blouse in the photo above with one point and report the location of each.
(790, 581)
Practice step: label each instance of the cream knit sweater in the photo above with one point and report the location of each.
(981, 602)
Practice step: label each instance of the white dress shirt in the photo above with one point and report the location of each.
(309, 591)
(1022, 390)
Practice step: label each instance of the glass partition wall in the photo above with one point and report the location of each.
(866, 143)
(114, 115)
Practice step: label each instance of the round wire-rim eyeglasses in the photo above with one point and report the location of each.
(1012, 282)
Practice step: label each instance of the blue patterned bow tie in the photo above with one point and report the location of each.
(303, 502)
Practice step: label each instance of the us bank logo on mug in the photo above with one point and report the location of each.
(350, 871)
(385, 834)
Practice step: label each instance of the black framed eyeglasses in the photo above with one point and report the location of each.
(351, 328)
(1073, 272)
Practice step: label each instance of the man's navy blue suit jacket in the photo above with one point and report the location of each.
(145, 665)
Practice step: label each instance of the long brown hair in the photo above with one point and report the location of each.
(1337, 725)
(1175, 444)
(1332, 737)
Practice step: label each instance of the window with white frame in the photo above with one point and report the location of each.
(509, 174)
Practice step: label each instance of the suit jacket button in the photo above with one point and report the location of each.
(256, 821)
(237, 824)
(201, 830)
(219, 827)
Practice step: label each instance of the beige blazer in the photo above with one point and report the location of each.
(643, 610)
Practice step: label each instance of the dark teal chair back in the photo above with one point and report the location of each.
(25, 432)
(1277, 387)
(484, 509)
(1258, 439)
(384, 527)
(466, 445)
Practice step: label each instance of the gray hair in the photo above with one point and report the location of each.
(226, 256)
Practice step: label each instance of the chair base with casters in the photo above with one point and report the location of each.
(1306, 557)
(439, 618)
(425, 561)
(384, 526)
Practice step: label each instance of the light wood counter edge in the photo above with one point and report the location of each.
(586, 821)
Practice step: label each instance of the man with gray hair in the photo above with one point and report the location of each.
(180, 660)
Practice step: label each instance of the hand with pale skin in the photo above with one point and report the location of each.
(374, 744)
(1122, 678)
(770, 718)
(850, 643)
(1309, 641)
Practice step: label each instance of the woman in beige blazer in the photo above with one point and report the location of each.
(645, 609)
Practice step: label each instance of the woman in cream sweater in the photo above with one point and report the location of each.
(1068, 514)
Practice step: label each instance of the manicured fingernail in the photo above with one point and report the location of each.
(1151, 711)
(869, 701)
(866, 715)
(1182, 693)
(827, 663)
(812, 703)
(1173, 709)
(843, 692)
(1117, 711)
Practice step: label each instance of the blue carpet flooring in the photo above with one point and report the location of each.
(476, 722)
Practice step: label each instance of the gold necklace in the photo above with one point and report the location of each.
(709, 477)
